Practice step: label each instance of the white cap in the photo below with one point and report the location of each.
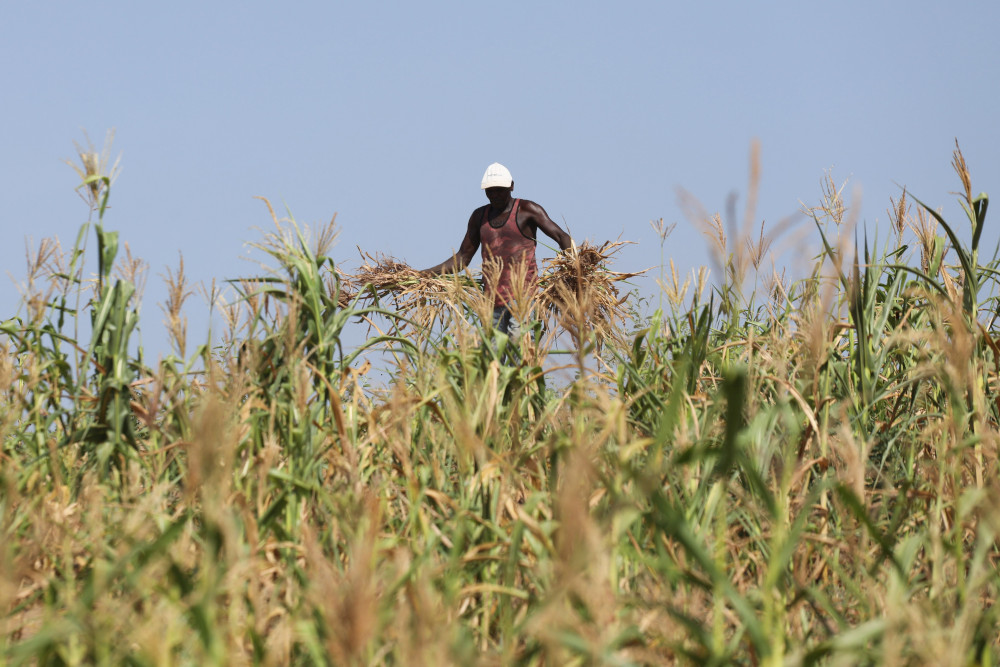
(497, 176)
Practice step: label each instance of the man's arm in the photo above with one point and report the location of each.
(536, 218)
(466, 251)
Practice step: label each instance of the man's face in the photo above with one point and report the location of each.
(498, 196)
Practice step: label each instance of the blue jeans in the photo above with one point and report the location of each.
(504, 321)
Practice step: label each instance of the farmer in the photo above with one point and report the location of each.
(507, 228)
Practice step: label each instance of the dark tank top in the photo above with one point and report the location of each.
(511, 248)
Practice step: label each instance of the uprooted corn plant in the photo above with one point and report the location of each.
(811, 478)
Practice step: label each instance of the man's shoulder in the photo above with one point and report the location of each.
(478, 213)
(530, 208)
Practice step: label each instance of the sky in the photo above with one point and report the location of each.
(387, 114)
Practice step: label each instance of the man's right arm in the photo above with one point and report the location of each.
(466, 251)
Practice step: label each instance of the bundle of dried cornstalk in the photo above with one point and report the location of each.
(576, 290)
(579, 292)
(385, 274)
(345, 283)
(421, 298)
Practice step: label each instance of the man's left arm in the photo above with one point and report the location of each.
(539, 219)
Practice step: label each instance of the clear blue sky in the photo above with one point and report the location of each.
(388, 113)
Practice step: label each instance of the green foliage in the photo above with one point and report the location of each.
(807, 481)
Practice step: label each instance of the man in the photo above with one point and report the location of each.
(507, 228)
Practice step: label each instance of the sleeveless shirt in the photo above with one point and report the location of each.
(508, 246)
